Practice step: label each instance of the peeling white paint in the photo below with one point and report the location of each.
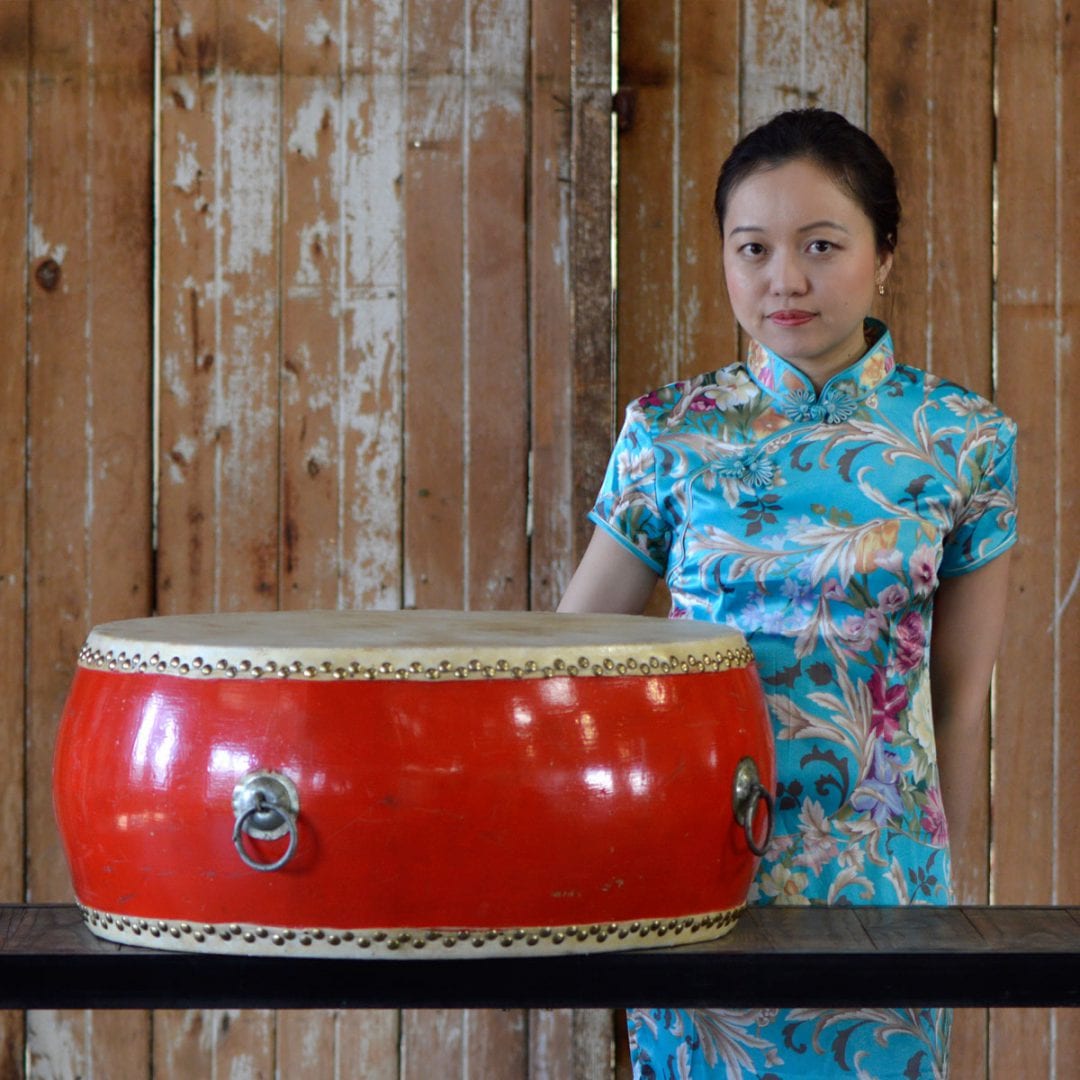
(180, 86)
(368, 417)
(370, 196)
(187, 170)
(443, 112)
(182, 452)
(249, 155)
(266, 23)
(320, 109)
(315, 235)
(57, 1044)
(319, 31)
(802, 53)
(498, 39)
(179, 219)
(490, 103)
(40, 248)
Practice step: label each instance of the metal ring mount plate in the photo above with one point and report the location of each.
(262, 799)
(266, 806)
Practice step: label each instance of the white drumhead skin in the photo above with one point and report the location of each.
(403, 644)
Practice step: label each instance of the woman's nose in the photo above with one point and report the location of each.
(787, 277)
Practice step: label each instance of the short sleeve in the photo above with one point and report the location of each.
(985, 526)
(627, 506)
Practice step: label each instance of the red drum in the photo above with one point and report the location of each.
(395, 784)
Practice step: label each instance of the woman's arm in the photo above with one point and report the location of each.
(969, 616)
(609, 579)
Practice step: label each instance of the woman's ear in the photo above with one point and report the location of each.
(884, 266)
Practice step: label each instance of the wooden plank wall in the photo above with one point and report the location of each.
(983, 124)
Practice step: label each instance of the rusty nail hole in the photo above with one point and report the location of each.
(48, 274)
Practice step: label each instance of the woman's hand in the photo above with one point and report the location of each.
(609, 579)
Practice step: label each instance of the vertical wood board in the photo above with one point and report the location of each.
(549, 302)
(14, 282)
(591, 274)
(708, 122)
(801, 54)
(435, 384)
(88, 449)
(649, 144)
(496, 332)
(1066, 613)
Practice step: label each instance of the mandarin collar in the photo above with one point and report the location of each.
(794, 393)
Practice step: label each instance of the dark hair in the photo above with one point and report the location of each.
(845, 152)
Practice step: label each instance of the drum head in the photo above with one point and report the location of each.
(402, 644)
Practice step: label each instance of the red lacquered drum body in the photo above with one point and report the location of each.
(412, 783)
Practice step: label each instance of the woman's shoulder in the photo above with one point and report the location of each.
(953, 401)
(710, 392)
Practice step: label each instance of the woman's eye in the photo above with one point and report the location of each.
(821, 247)
(752, 249)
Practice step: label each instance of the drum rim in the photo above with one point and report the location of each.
(405, 943)
(405, 647)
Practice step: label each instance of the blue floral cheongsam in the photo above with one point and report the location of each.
(819, 525)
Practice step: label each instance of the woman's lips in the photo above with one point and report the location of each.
(791, 318)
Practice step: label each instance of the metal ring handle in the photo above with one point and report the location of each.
(758, 794)
(261, 806)
(266, 806)
(747, 794)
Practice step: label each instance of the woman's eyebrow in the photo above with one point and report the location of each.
(823, 225)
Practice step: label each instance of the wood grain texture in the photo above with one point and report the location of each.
(591, 272)
(550, 302)
(368, 1044)
(1025, 727)
(802, 54)
(88, 522)
(434, 185)
(551, 1043)
(1066, 609)
(312, 288)
(218, 510)
(496, 332)
(14, 282)
(708, 125)
(650, 174)
(371, 435)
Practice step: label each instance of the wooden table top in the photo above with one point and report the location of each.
(775, 956)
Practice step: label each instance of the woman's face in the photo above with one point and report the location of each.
(801, 266)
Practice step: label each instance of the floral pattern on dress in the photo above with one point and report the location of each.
(820, 524)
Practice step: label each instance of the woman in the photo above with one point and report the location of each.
(825, 500)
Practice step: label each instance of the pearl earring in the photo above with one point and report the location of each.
(881, 288)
